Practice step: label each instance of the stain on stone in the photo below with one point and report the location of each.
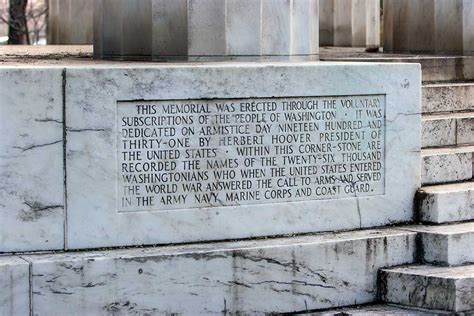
(36, 210)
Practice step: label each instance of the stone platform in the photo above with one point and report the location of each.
(256, 276)
(303, 273)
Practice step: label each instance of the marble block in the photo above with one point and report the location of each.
(105, 209)
(432, 287)
(448, 97)
(206, 29)
(247, 277)
(448, 164)
(15, 286)
(446, 203)
(448, 244)
(31, 159)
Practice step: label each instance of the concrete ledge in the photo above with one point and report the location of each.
(264, 276)
(429, 287)
(446, 203)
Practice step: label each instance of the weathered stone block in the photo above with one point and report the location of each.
(260, 276)
(15, 286)
(446, 203)
(445, 288)
(98, 99)
(446, 245)
(448, 97)
(31, 159)
(443, 165)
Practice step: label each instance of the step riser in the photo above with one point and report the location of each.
(426, 290)
(447, 132)
(283, 275)
(446, 207)
(447, 249)
(447, 98)
(445, 168)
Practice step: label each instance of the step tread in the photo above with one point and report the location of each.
(448, 84)
(447, 230)
(447, 188)
(447, 116)
(459, 272)
(447, 150)
(378, 309)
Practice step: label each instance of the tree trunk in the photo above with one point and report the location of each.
(17, 27)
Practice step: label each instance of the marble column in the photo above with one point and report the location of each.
(206, 29)
(428, 26)
(350, 23)
(70, 22)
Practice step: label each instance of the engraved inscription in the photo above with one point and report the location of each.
(181, 154)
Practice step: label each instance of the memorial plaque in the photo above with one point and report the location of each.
(173, 153)
(180, 154)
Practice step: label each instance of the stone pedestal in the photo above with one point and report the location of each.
(353, 23)
(206, 29)
(70, 22)
(429, 26)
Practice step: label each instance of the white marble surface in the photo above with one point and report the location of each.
(447, 203)
(251, 277)
(15, 286)
(31, 159)
(93, 220)
(447, 245)
(447, 164)
(448, 97)
(423, 286)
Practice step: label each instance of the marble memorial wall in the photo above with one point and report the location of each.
(168, 153)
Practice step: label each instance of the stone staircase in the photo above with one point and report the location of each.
(443, 278)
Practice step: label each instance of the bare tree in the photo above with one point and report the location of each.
(26, 20)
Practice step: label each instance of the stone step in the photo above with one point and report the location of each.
(447, 129)
(446, 164)
(447, 97)
(435, 68)
(446, 245)
(431, 287)
(378, 309)
(446, 203)
(292, 274)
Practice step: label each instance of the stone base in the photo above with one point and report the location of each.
(445, 288)
(269, 275)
